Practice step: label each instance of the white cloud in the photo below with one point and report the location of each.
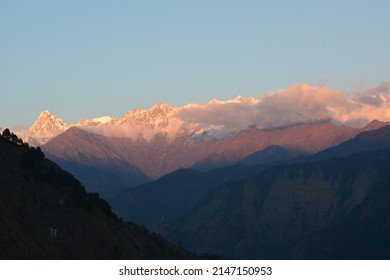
(299, 103)
(136, 131)
(376, 96)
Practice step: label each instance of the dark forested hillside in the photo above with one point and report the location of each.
(362, 234)
(46, 214)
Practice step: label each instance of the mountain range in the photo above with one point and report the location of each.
(109, 155)
(263, 217)
(252, 192)
(132, 162)
(266, 214)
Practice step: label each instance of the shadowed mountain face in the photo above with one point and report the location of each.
(105, 179)
(166, 201)
(94, 161)
(46, 214)
(363, 234)
(264, 216)
(271, 154)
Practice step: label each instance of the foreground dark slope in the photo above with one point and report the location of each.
(46, 214)
(264, 216)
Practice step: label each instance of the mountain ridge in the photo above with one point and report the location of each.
(150, 159)
(147, 155)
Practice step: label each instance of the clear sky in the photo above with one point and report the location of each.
(84, 59)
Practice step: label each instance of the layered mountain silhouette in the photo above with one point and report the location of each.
(164, 202)
(108, 155)
(253, 193)
(127, 162)
(188, 205)
(264, 216)
(365, 141)
(45, 213)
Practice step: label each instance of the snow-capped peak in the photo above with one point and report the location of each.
(45, 113)
(46, 127)
(161, 106)
(103, 120)
(96, 121)
(159, 118)
(156, 116)
(47, 123)
(238, 99)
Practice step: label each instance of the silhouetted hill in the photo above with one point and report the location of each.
(263, 216)
(46, 214)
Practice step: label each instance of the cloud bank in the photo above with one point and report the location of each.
(297, 104)
(300, 103)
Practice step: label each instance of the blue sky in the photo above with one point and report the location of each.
(83, 59)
